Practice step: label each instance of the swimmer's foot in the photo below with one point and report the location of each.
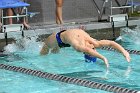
(27, 27)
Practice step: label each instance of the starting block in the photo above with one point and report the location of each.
(12, 27)
(118, 17)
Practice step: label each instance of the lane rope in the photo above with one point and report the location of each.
(69, 80)
(130, 51)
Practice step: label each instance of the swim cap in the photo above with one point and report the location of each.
(89, 58)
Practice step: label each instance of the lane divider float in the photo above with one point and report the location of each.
(69, 80)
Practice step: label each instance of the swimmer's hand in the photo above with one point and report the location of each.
(127, 56)
(106, 62)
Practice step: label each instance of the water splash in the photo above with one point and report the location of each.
(130, 35)
(28, 45)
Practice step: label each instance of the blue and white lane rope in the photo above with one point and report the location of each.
(137, 52)
(70, 80)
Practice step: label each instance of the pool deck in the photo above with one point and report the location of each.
(87, 25)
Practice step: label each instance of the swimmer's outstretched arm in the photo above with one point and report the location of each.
(115, 46)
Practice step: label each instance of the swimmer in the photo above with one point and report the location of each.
(80, 41)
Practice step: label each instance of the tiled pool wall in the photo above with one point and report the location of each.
(3, 43)
(104, 33)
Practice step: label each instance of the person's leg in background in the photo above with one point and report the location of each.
(25, 23)
(10, 13)
(23, 20)
(59, 4)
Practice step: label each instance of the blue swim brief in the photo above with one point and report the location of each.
(59, 41)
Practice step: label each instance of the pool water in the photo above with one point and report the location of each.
(69, 63)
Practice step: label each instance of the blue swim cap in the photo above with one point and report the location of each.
(89, 58)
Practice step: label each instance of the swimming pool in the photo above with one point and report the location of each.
(68, 63)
